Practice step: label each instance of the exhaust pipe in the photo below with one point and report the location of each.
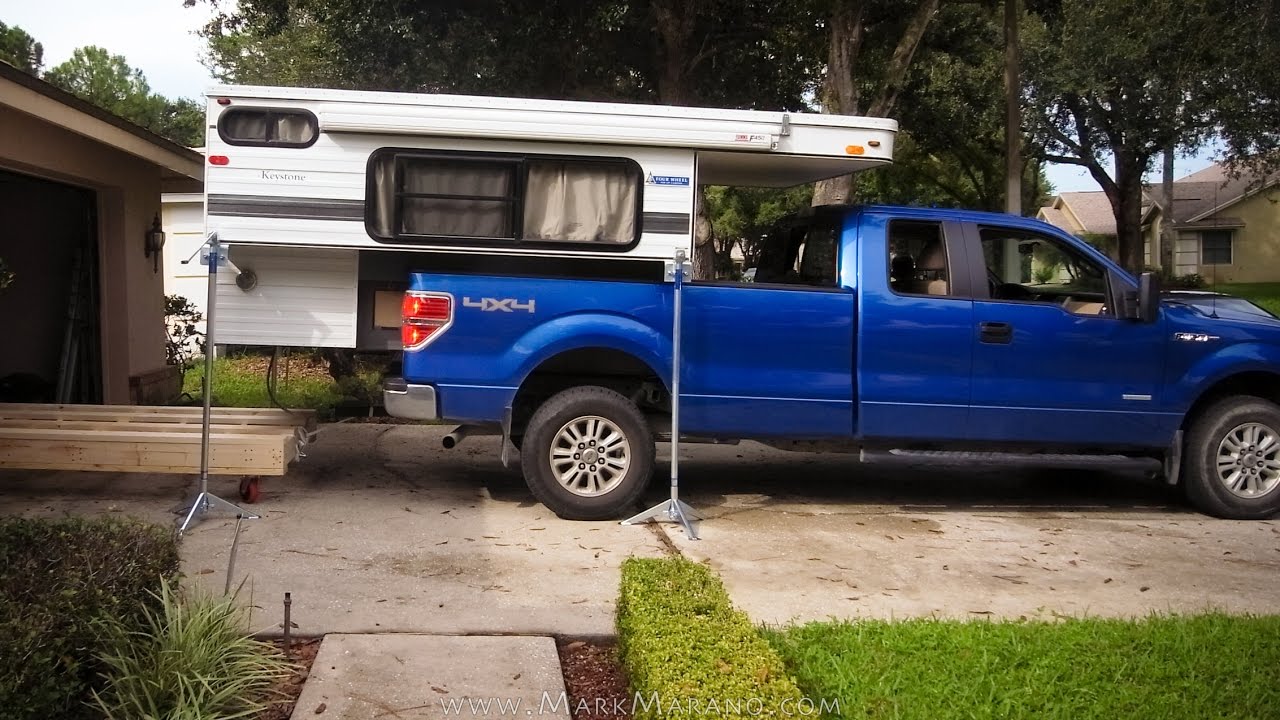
(461, 432)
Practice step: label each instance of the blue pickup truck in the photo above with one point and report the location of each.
(893, 333)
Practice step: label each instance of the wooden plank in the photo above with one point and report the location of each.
(231, 455)
(129, 426)
(97, 414)
(145, 409)
(151, 436)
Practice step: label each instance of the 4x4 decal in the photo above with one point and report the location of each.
(498, 304)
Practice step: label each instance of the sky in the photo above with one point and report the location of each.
(158, 37)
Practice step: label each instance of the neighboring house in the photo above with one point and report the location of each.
(1227, 230)
(183, 218)
(1089, 215)
(79, 189)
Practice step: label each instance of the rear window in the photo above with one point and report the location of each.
(271, 127)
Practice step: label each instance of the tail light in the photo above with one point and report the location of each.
(424, 316)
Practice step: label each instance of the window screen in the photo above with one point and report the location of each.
(264, 126)
(1215, 247)
(521, 198)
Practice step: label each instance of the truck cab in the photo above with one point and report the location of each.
(892, 333)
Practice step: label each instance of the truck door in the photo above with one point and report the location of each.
(772, 357)
(914, 342)
(1053, 363)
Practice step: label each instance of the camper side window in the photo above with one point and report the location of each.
(268, 126)
(521, 198)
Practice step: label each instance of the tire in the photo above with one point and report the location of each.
(598, 490)
(1242, 432)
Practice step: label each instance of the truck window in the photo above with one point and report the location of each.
(271, 127)
(918, 258)
(799, 251)
(1029, 267)
(418, 197)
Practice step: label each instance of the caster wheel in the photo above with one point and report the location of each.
(250, 489)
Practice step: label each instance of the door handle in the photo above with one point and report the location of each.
(995, 333)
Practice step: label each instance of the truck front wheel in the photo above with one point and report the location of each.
(587, 453)
(1233, 459)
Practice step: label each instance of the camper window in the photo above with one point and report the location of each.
(524, 198)
(268, 126)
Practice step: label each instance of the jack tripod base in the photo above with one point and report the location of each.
(206, 502)
(672, 510)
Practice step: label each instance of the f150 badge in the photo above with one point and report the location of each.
(498, 304)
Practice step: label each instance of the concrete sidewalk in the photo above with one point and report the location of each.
(358, 677)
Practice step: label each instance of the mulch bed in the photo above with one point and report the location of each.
(303, 654)
(595, 680)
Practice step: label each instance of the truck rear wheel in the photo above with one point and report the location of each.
(587, 453)
(1233, 459)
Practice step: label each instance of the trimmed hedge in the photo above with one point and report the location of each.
(58, 580)
(689, 653)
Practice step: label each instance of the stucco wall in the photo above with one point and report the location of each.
(128, 196)
(1255, 249)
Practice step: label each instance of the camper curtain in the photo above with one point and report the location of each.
(473, 199)
(293, 129)
(580, 202)
(245, 126)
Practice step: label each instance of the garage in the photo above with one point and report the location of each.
(49, 245)
(83, 310)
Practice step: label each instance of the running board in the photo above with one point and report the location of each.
(1007, 459)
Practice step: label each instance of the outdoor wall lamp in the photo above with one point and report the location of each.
(154, 243)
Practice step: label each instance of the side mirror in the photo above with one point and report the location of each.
(1143, 305)
(1148, 297)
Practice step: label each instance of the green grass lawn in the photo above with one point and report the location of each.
(1265, 294)
(1162, 667)
(241, 382)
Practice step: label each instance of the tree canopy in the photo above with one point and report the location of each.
(107, 80)
(20, 49)
(1119, 82)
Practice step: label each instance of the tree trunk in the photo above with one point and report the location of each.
(704, 247)
(1168, 236)
(1013, 113)
(1127, 208)
(840, 92)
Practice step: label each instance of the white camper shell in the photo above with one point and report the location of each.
(328, 199)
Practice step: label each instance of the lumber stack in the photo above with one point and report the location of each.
(150, 439)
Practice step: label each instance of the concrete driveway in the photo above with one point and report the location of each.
(380, 530)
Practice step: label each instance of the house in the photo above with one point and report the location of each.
(1089, 215)
(79, 197)
(1226, 229)
(182, 215)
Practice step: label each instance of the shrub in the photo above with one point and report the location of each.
(191, 660)
(1191, 281)
(689, 653)
(58, 580)
(183, 342)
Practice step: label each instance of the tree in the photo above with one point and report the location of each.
(950, 149)
(20, 49)
(107, 80)
(870, 47)
(1127, 79)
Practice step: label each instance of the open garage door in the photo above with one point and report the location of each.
(49, 310)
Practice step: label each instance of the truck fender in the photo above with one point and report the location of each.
(593, 330)
(1213, 371)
